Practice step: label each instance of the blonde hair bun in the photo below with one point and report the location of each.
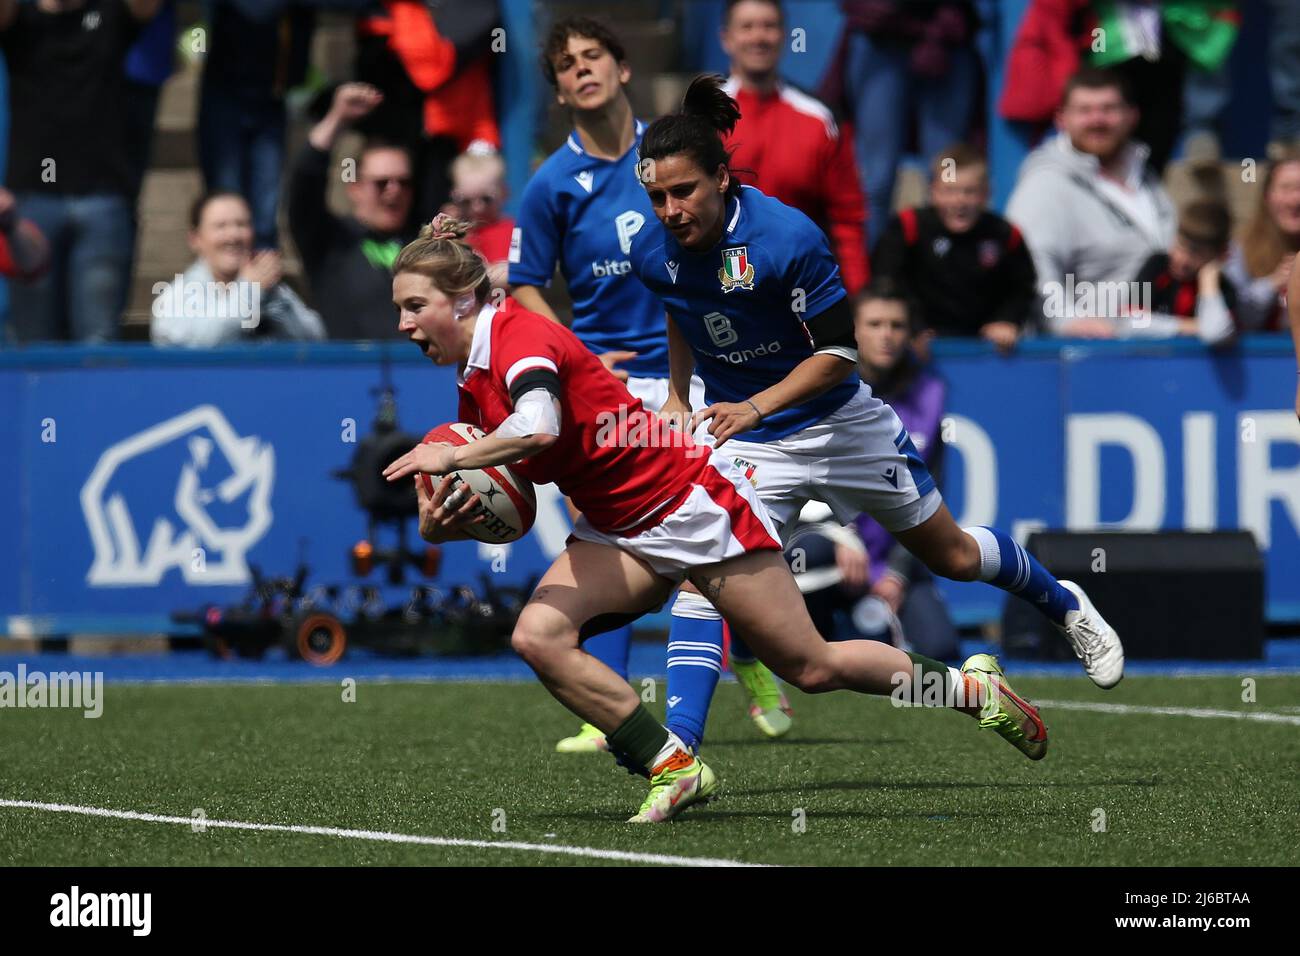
(444, 226)
(446, 259)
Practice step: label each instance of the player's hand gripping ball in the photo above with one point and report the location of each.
(507, 503)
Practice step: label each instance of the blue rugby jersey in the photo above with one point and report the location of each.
(583, 213)
(742, 305)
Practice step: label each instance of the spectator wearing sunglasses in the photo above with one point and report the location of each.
(347, 259)
(478, 189)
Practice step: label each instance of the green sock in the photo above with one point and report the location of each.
(928, 666)
(640, 737)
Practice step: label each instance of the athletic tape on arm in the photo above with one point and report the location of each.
(537, 412)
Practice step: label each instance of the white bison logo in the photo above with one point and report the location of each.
(221, 503)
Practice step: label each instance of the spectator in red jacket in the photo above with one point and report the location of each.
(434, 64)
(24, 253)
(787, 141)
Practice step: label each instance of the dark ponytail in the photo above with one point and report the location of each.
(707, 114)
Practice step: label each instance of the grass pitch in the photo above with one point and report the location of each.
(857, 782)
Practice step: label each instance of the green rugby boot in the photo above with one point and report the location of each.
(1003, 711)
(768, 707)
(681, 781)
(588, 740)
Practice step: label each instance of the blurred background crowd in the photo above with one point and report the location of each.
(286, 149)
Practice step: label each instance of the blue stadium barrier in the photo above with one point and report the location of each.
(125, 459)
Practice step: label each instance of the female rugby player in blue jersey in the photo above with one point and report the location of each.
(757, 309)
(581, 210)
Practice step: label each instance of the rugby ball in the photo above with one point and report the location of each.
(507, 502)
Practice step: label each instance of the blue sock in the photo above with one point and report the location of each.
(610, 649)
(1007, 565)
(694, 666)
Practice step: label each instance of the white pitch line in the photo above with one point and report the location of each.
(1266, 716)
(381, 836)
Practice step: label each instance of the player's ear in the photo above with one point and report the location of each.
(724, 178)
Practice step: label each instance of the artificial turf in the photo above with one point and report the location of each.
(857, 782)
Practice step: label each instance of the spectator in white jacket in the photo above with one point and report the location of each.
(1091, 209)
(229, 294)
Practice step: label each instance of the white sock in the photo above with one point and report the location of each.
(671, 746)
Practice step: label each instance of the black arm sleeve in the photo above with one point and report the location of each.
(535, 378)
(833, 327)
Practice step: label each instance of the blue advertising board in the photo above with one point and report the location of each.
(142, 481)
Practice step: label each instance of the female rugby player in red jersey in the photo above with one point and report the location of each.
(655, 510)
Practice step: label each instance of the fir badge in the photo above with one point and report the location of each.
(737, 271)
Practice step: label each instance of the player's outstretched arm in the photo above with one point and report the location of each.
(494, 450)
(835, 356)
(441, 459)
(808, 379)
(681, 363)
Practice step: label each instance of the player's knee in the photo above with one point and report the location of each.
(535, 639)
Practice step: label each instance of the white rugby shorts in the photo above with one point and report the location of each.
(653, 392)
(720, 517)
(857, 459)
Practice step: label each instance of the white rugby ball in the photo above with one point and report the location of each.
(507, 502)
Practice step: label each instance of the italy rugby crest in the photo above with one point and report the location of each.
(737, 271)
(747, 468)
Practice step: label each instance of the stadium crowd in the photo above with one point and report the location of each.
(1090, 243)
(1089, 208)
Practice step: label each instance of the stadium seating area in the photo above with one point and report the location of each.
(667, 42)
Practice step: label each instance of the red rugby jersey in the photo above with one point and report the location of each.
(622, 466)
(787, 144)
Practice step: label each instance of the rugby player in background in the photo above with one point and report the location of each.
(756, 307)
(580, 211)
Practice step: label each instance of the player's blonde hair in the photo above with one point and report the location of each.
(442, 255)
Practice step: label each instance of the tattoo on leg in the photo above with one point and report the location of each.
(540, 594)
(712, 589)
